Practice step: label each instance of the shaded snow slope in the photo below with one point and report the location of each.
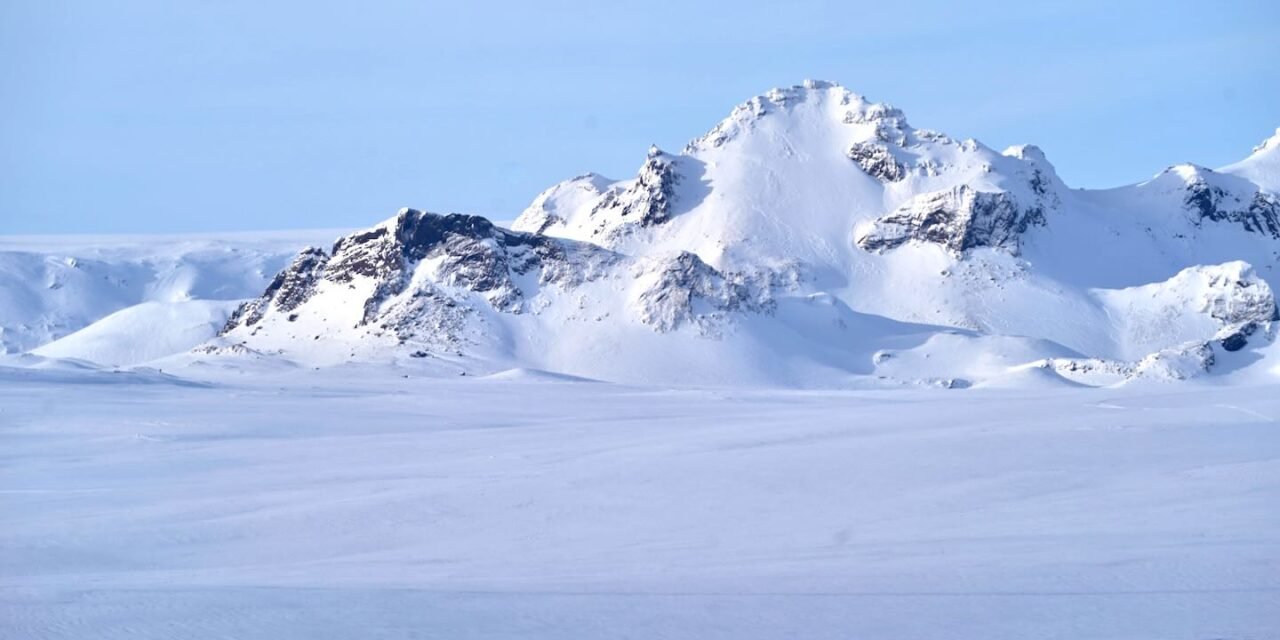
(143, 332)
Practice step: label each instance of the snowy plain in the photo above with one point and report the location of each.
(356, 502)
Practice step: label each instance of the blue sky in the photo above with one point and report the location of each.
(210, 115)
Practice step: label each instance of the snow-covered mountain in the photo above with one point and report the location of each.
(812, 238)
(52, 287)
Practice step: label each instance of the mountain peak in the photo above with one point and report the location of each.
(1262, 167)
(1269, 145)
(810, 83)
(810, 101)
(1029, 152)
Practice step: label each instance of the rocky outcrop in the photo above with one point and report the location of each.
(1207, 201)
(288, 290)
(1176, 363)
(877, 161)
(682, 289)
(594, 209)
(427, 314)
(646, 201)
(418, 259)
(958, 219)
(963, 217)
(1231, 293)
(888, 124)
(1241, 305)
(1208, 196)
(1242, 302)
(1237, 337)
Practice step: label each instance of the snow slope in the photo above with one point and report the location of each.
(353, 502)
(51, 286)
(144, 332)
(1262, 167)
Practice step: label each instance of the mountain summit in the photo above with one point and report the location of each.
(1262, 167)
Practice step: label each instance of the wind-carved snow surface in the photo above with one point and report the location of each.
(352, 502)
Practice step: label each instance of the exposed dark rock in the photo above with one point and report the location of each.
(430, 315)
(1236, 296)
(689, 290)
(1238, 338)
(289, 289)
(1259, 214)
(1176, 363)
(877, 161)
(1235, 341)
(958, 219)
(468, 253)
(649, 199)
(1039, 183)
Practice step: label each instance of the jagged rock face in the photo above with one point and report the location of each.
(1236, 296)
(289, 289)
(427, 314)
(877, 161)
(1245, 306)
(1260, 213)
(460, 253)
(467, 252)
(893, 150)
(881, 122)
(683, 289)
(604, 212)
(648, 200)
(473, 254)
(958, 219)
(1235, 339)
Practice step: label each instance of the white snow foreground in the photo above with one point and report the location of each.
(354, 503)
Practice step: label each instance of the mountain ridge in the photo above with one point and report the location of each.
(811, 238)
